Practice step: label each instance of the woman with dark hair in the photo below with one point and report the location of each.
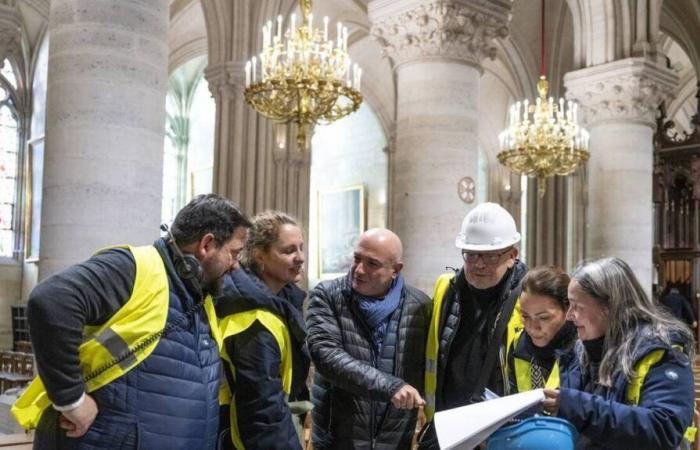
(532, 356)
(266, 361)
(628, 382)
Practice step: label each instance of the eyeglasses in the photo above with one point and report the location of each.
(489, 259)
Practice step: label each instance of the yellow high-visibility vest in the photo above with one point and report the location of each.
(515, 325)
(234, 324)
(143, 315)
(523, 368)
(641, 369)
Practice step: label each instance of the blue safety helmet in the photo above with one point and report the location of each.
(535, 433)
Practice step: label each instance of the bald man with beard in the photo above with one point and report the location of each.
(366, 335)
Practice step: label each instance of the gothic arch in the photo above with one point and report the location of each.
(680, 19)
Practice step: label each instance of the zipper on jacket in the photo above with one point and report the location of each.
(448, 344)
(370, 340)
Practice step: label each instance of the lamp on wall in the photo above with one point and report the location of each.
(302, 76)
(543, 138)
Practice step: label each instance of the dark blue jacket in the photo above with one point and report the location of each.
(170, 400)
(264, 418)
(606, 420)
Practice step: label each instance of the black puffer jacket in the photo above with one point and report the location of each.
(348, 385)
(450, 318)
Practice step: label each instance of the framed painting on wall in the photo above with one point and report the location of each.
(341, 220)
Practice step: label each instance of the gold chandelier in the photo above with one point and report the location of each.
(303, 77)
(545, 139)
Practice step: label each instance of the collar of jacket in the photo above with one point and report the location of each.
(190, 291)
(562, 341)
(244, 291)
(645, 339)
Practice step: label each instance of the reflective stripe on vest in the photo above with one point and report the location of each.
(641, 370)
(523, 371)
(515, 324)
(144, 314)
(239, 322)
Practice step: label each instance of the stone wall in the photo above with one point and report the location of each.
(347, 153)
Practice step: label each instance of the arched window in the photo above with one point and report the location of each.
(9, 160)
(189, 142)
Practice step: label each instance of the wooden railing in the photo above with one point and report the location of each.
(16, 369)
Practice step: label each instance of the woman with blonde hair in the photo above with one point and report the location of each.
(628, 383)
(266, 361)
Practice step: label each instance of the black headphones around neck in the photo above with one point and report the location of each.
(186, 265)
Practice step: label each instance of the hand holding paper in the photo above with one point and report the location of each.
(468, 426)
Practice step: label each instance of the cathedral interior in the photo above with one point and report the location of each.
(113, 115)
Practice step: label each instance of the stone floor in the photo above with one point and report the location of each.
(8, 425)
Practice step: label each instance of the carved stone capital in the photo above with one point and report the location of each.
(460, 30)
(226, 80)
(628, 90)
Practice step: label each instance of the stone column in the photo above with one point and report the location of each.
(251, 167)
(436, 48)
(620, 100)
(105, 124)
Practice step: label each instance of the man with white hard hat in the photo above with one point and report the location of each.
(475, 315)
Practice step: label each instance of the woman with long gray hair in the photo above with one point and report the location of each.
(628, 383)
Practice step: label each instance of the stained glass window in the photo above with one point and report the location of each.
(9, 158)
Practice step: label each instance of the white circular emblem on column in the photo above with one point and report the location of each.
(466, 189)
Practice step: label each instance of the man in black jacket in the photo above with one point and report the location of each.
(476, 314)
(367, 334)
(678, 305)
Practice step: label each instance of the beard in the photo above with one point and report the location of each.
(214, 287)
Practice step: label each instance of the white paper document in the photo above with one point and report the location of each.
(466, 427)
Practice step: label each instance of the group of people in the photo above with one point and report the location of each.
(201, 341)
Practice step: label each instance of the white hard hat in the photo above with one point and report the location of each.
(487, 227)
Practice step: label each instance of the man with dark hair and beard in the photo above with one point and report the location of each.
(125, 352)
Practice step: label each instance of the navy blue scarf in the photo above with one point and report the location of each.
(376, 310)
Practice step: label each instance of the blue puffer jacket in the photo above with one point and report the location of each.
(606, 420)
(170, 400)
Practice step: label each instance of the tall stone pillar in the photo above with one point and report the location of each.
(436, 48)
(254, 166)
(105, 124)
(620, 100)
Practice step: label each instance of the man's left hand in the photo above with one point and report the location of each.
(77, 421)
(551, 401)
